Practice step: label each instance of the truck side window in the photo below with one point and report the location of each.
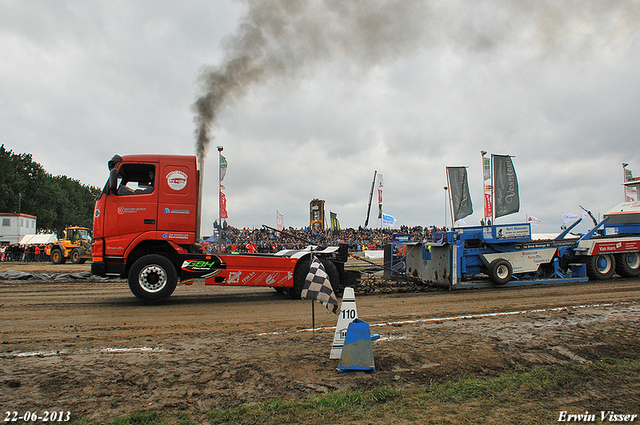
(136, 179)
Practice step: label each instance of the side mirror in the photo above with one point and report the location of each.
(113, 179)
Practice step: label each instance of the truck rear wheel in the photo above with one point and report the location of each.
(299, 276)
(302, 270)
(600, 267)
(500, 271)
(57, 257)
(332, 272)
(153, 278)
(628, 264)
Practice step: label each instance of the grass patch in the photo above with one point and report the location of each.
(529, 396)
(522, 384)
(331, 407)
(146, 418)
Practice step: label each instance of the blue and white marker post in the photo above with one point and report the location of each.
(347, 314)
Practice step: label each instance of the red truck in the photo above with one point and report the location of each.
(146, 229)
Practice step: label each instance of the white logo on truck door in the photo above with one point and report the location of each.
(177, 180)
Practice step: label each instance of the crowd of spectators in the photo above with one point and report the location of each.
(18, 252)
(264, 240)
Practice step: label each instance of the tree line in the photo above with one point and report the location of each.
(57, 201)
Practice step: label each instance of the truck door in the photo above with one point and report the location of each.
(132, 210)
(178, 201)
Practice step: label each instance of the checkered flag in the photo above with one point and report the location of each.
(318, 287)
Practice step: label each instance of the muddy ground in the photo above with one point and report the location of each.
(90, 348)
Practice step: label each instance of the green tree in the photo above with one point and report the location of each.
(57, 201)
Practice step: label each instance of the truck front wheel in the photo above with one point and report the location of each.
(600, 267)
(153, 278)
(628, 264)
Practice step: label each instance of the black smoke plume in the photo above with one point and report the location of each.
(288, 38)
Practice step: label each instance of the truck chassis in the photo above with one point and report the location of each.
(153, 277)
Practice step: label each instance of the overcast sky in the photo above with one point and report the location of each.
(329, 92)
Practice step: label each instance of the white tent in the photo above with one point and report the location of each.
(41, 239)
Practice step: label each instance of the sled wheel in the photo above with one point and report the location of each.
(628, 264)
(500, 271)
(600, 267)
(153, 278)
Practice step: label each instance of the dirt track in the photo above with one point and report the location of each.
(92, 349)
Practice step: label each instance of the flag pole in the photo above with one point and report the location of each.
(313, 304)
(446, 195)
(493, 195)
(484, 190)
(313, 319)
(220, 148)
(485, 182)
(366, 222)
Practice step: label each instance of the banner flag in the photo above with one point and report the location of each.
(630, 192)
(569, 218)
(223, 206)
(279, 220)
(505, 186)
(460, 196)
(486, 177)
(380, 186)
(533, 220)
(388, 221)
(223, 167)
(486, 170)
(335, 224)
(488, 205)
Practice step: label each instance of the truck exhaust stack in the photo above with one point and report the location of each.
(200, 165)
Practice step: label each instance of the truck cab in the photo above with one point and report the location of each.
(149, 204)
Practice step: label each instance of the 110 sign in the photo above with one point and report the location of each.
(348, 314)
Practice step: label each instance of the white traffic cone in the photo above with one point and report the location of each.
(348, 313)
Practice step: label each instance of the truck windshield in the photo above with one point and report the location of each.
(136, 179)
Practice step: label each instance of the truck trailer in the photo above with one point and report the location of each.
(146, 230)
(509, 254)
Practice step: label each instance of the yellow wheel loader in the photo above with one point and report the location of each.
(76, 246)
